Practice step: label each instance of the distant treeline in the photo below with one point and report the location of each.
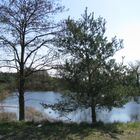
(37, 81)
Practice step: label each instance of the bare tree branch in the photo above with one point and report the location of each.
(26, 28)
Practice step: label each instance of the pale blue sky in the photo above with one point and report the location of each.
(123, 20)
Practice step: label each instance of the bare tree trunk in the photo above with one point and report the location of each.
(21, 105)
(21, 96)
(22, 79)
(137, 75)
(93, 114)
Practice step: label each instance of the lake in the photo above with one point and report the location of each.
(129, 112)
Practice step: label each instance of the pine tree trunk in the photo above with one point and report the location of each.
(93, 113)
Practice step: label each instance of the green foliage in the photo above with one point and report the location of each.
(57, 131)
(134, 77)
(42, 81)
(95, 79)
(39, 81)
(7, 80)
(7, 84)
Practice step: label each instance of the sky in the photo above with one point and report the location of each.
(123, 21)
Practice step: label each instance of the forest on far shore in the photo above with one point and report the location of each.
(39, 81)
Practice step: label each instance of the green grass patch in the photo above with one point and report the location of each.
(60, 131)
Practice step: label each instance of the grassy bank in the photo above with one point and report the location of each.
(60, 131)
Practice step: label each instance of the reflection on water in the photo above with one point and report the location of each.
(129, 112)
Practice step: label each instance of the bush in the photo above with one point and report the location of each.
(31, 114)
(8, 116)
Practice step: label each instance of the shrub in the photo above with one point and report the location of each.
(8, 116)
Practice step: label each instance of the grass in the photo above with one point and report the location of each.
(60, 131)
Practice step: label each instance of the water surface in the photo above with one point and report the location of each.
(129, 112)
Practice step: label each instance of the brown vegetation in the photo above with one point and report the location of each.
(8, 116)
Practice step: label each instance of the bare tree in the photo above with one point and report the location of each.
(27, 31)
